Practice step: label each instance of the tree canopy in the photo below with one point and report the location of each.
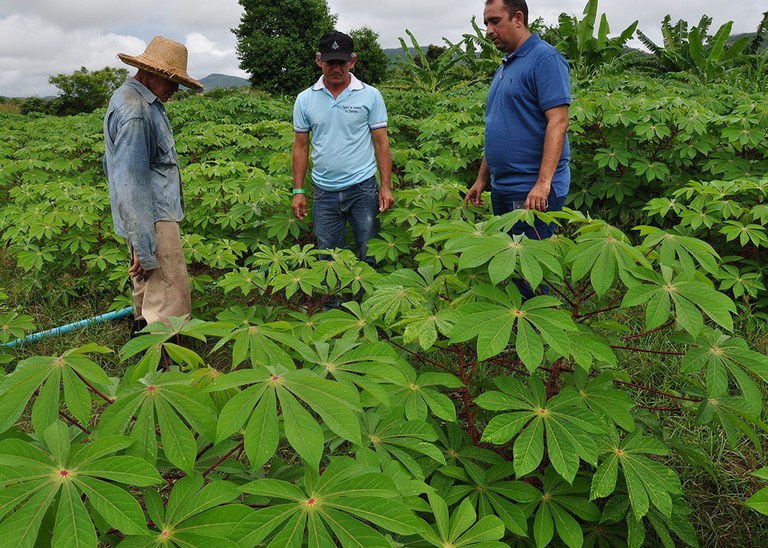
(277, 41)
(84, 91)
(372, 62)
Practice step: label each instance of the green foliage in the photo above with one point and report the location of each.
(277, 42)
(584, 51)
(84, 91)
(693, 51)
(434, 406)
(372, 62)
(418, 71)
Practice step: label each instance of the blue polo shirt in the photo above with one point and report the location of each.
(342, 145)
(532, 79)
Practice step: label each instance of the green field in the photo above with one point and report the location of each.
(435, 407)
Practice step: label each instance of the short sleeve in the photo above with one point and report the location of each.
(553, 82)
(300, 121)
(377, 117)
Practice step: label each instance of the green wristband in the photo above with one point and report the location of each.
(298, 191)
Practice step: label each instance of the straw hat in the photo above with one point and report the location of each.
(164, 57)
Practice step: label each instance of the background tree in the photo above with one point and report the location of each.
(277, 41)
(84, 91)
(372, 62)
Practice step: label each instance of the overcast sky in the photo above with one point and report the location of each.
(40, 38)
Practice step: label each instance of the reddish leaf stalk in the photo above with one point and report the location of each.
(638, 335)
(422, 358)
(94, 389)
(225, 457)
(74, 422)
(657, 392)
(648, 351)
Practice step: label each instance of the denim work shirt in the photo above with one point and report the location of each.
(142, 168)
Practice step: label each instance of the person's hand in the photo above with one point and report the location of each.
(474, 195)
(537, 197)
(385, 199)
(299, 206)
(138, 272)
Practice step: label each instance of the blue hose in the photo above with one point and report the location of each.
(127, 311)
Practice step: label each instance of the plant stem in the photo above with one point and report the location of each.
(658, 392)
(94, 389)
(74, 422)
(225, 457)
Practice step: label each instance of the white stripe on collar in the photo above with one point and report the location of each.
(354, 84)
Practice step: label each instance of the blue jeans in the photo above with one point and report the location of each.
(505, 201)
(358, 205)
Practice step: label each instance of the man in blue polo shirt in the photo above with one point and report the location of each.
(526, 145)
(348, 123)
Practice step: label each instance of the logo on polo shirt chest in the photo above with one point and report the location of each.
(352, 109)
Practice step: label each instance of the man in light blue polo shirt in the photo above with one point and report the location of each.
(526, 145)
(347, 120)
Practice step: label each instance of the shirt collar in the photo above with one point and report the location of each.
(145, 92)
(524, 49)
(354, 84)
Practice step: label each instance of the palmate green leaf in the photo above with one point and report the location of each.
(568, 424)
(492, 493)
(163, 399)
(734, 415)
(364, 365)
(538, 322)
(722, 358)
(419, 395)
(424, 327)
(564, 507)
(336, 403)
(603, 255)
(401, 440)
(390, 302)
(689, 298)
(671, 246)
(70, 472)
(259, 343)
(45, 374)
(649, 483)
(344, 499)
(335, 322)
(197, 514)
(602, 397)
(460, 528)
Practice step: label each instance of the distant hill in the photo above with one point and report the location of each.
(394, 53)
(213, 81)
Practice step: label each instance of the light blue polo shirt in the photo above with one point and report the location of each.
(531, 80)
(342, 145)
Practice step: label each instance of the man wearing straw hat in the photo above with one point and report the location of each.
(144, 181)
